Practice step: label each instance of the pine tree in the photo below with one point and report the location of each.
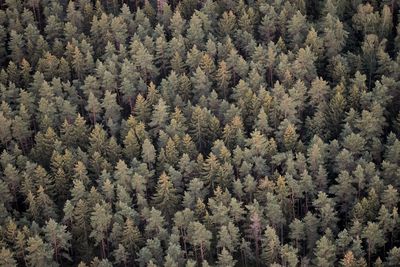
(325, 252)
(39, 253)
(390, 197)
(336, 109)
(171, 153)
(159, 117)
(78, 63)
(100, 221)
(161, 58)
(386, 23)
(199, 126)
(131, 237)
(93, 107)
(12, 179)
(271, 246)
(6, 258)
(81, 218)
(348, 260)
(267, 28)
(119, 29)
(143, 60)
(165, 198)
(344, 191)
(374, 236)
(195, 33)
(334, 35)
(59, 238)
(227, 23)
(315, 42)
(121, 255)
(255, 233)
(148, 152)
(200, 237)
(45, 204)
(74, 133)
(297, 232)
(228, 237)
(225, 259)
(223, 77)
(177, 23)
(366, 20)
(131, 145)
(297, 29)
(393, 257)
(111, 107)
(16, 46)
(290, 137)
(21, 127)
(141, 110)
(201, 84)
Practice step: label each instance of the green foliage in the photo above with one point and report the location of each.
(214, 133)
(39, 253)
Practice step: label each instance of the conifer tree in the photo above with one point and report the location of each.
(325, 252)
(59, 238)
(131, 236)
(225, 259)
(195, 33)
(111, 107)
(181, 133)
(200, 238)
(131, 145)
(100, 221)
(165, 198)
(223, 77)
(159, 116)
(93, 107)
(39, 253)
(374, 236)
(7, 259)
(271, 246)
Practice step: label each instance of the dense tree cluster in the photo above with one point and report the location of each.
(200, 133)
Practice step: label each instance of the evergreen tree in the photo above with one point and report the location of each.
(112, 110)
(181, 133)
(100, 221)
(39, 253)
(159, 116)
(297, 29)
(7, 259)
(374, 236)
(131, 236)
(165, 198)
(59, 238)
(200, 238)
(225, 259)
(195, 33)
(94, 108)
(334, 35)
(393, 256)
(223, 77)
(271, 246)
(325, 252)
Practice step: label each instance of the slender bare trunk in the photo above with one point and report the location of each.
(201, 252)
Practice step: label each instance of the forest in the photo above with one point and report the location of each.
(192, 133)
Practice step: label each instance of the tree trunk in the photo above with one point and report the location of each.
(270, 75)
(257, 252)
(369, 254)
(55, 248)
(201, 252)
(103, 250)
